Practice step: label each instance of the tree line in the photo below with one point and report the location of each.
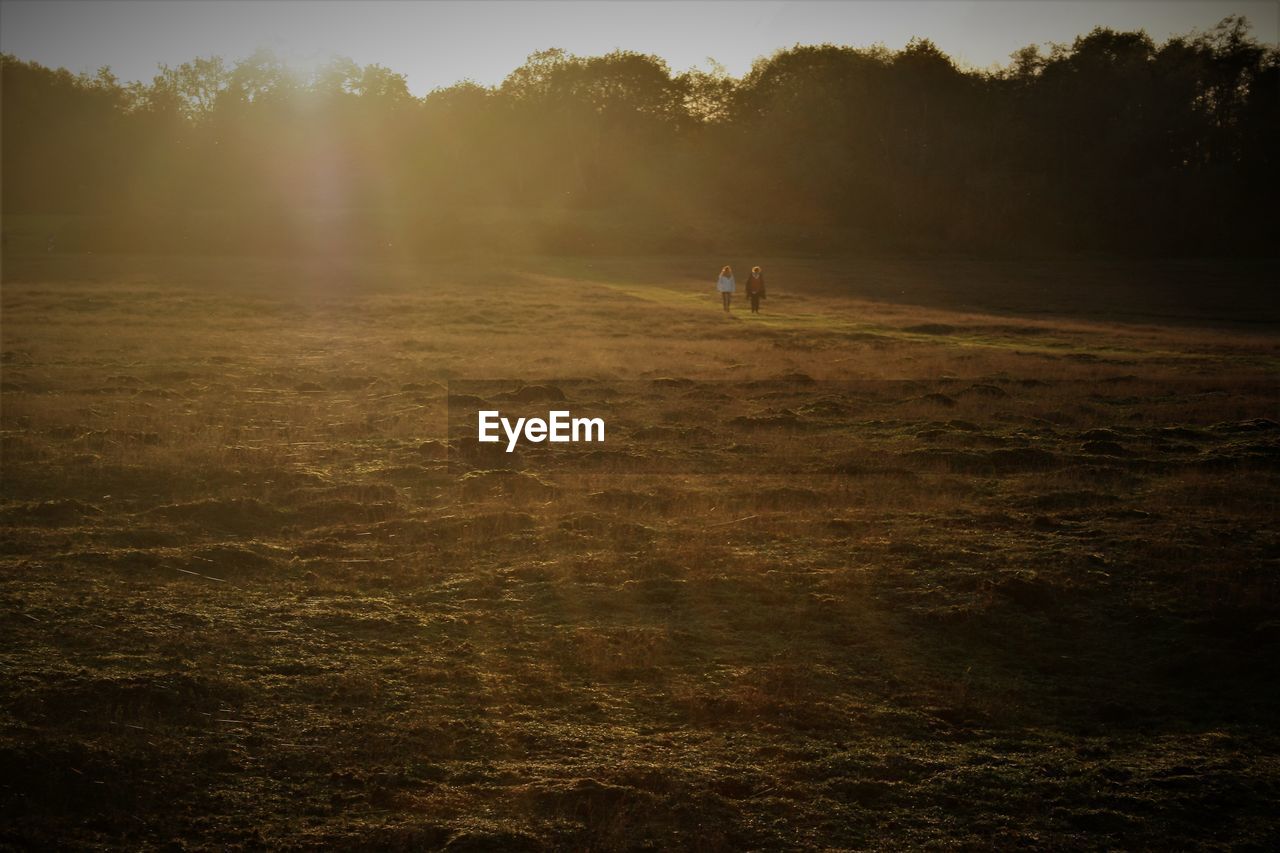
(1111, 143)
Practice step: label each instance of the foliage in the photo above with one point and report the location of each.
(1109, 143)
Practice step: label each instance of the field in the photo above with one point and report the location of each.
(931, 554)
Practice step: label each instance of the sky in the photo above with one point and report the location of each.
(438, 43)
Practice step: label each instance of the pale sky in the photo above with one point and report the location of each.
(439, 43)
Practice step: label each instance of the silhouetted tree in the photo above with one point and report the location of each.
(1111, 142)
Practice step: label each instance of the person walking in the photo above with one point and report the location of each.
(755, 289)
(726, 285)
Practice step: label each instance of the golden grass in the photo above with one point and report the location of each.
(990, 578)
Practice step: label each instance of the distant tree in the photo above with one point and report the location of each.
(1111, 142)
(707, 95)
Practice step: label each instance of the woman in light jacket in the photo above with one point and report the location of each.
(726, 285)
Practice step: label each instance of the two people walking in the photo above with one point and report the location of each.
(726, 285)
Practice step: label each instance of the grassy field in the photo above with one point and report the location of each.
(944, 554)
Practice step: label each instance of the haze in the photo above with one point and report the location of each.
(437, 44)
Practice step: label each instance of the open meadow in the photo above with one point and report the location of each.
(932, 553)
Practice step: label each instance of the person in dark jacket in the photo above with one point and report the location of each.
(755, 289)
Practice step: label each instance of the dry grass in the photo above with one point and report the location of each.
(940, 573)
